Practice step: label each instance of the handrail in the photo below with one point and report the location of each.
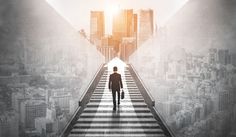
(92, 84)
(163, 122)
(81, 107)
(147, 97)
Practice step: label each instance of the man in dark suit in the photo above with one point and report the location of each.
(115, 83)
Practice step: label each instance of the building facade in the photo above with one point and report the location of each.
(124, 25)
(145, 25)
(97, 27)
(30, 110)
(9, 124)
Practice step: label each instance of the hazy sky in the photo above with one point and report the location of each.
(77, 12)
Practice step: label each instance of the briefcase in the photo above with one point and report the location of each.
(122, 94)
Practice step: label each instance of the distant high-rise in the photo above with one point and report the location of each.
(123, 26)
(223, 57)
(145, 25)
(233, 59)
(127, 47)
(45, 126)
(30, 110)
(62, 99)
(17, 98)
(97, 27)
(224, 100)
(107, 48)
(9, 124)
(212, 56)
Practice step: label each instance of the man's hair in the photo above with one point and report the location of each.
(115, 68)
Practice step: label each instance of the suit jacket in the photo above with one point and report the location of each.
(115, 82)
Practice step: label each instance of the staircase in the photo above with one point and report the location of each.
(131, 119)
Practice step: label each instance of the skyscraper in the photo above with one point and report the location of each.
(97, 27)
(123, 26)
(145, 25)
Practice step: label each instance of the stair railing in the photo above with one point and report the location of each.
(84, 99)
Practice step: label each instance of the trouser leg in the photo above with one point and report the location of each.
(118, 94)
(114, 98)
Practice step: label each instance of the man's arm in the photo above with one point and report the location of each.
(121, 85)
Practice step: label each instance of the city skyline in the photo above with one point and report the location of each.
(130, 29)
(163, 10)
(50, 69)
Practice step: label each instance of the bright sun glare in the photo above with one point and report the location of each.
(111, 10)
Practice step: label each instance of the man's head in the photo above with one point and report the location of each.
(115, 69)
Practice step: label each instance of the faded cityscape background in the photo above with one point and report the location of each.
(186, 59)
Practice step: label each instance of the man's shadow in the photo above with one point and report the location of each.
(115, 120)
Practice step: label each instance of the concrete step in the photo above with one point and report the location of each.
(110, 97)
(131, 84)
(122, 115)
(103, 84)
(102, 80)
(122, 100)
(110, 94)
(127, 95)
(120, 110)
(105, 93)
(99, 88)
(121, 125)
(117, 135)
(107, 97)
(132, 88)
(122, 75)
(123, 104)
(116, 120)
(116, 131)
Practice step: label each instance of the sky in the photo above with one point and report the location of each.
(77, 12)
